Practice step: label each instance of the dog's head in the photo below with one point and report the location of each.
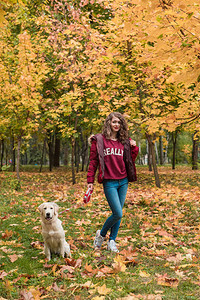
(48, 210)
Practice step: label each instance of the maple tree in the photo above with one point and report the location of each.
(150, 65)
(70, 52)
(22, 73)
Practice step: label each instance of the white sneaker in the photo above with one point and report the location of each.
(112, 246)
(98, 240)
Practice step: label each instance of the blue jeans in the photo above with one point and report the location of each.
(115, 192)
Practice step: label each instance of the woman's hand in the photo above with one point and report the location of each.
(90, 186)
(132, 143)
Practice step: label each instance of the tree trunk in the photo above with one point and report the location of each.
(1, 163)
(156, 152)
(139, 156)
(84, 150)
(149, 156)
(72, 160)
(161, 150)
(2, 151)
(50, 146)
(18, 156)
(13, 153)
(151, 146)
(66, 154)
(42, 156)
(77, 155)
(26, 158)
(57, 151)
(7, 159)
(174, 141)
(195, 154)
(73, 151)
(166, 160)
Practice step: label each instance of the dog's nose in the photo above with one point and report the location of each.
(48, 215)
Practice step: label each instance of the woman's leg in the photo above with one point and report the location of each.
(115, 192)
(122, 191)
(111, 193)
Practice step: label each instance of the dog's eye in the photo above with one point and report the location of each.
(51, 207)
(45, 208)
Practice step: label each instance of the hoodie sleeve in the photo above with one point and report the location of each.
(134, 152)
(94, 161)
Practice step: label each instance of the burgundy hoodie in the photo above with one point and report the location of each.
(115, 161)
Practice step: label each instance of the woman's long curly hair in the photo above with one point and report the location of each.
(122, 134)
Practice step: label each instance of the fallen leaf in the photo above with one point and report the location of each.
(87, 284)
(130, 297)
(103, 290)
(144, 274)
(167, 281)
(71, 261)
(56, 288)
(37, 245)
(68, 268)
(89, 269)
(26, 295)
(5, 250)
(78, 263)
(91, 292)
(54, 269)
(100, 274)
(118, 265)
(36, 293)
(187, 265)
(176, 258)
(98, 298)
(3, 274)
(47, 266)
(106, 270)
(7, 234)
(26, 276)
(180, 273)
(13, 257)
(81, 222)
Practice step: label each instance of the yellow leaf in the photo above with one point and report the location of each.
(36, 293)
(98, 298)
(119, 265)
(103, 290)
(1, 16)
(54, 269)
(67, 31)
(87, 284)
(144, 274)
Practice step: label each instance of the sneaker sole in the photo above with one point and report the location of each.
(94, 244)
(117, 251)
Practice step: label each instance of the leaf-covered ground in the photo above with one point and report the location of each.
(158, 239)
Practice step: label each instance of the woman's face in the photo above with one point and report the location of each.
(115, 124)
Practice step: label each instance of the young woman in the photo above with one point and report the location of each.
(115, 155)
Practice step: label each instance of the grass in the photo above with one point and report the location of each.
(158, 238)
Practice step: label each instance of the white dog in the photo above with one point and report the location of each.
(52, 231)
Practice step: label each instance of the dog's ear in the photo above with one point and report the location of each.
(41, 207)
(56, 208)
